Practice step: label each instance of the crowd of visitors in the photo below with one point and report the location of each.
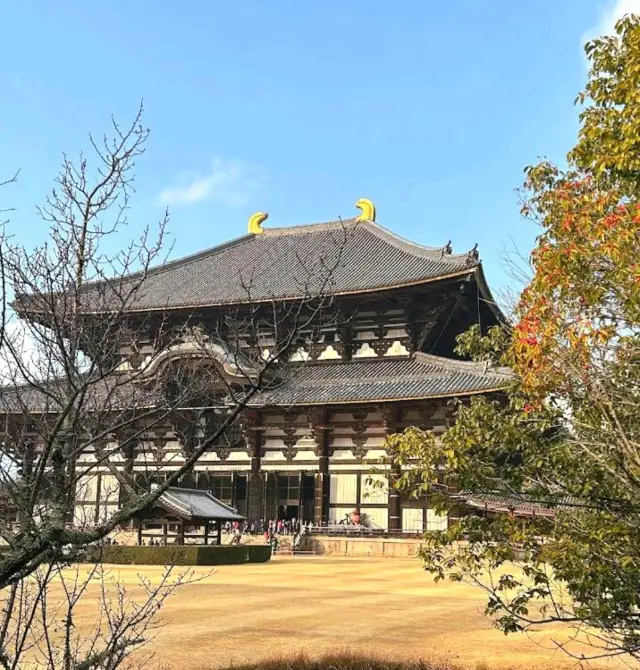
(271, 529)
(264, 527)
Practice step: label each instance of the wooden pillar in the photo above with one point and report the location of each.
(391, 416)
(127, 440)
(233, 490)
(28, 457)
(206, 531)
(270, 495)
(395, 504)
(96, 512)
(219, 532)
(299, 517)
(181, 533)
(139, 532)
(322, 437)
(253, 437)
(164, 534)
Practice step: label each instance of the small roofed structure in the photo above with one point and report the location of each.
(179, 514)
(491, 504)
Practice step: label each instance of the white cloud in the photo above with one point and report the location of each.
(610, 14)
(230, 183)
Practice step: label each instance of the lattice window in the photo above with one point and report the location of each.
(289, 488)
(222, 487)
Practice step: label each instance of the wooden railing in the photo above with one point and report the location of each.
(339, 530)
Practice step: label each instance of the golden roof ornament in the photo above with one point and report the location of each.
(255, 223)
(367, 208)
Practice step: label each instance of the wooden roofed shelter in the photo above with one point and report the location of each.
(184, 509)
(495, 504)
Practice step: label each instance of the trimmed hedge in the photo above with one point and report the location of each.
(183, 555)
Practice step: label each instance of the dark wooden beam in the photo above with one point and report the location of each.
(391, 417)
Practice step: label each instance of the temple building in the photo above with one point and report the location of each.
(381, 359)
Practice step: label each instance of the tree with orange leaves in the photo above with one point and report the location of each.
(566, 435)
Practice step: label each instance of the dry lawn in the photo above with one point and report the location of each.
(317, 606)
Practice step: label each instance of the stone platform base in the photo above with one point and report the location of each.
(375, 547)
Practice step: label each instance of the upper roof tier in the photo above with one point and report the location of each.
(340, 257)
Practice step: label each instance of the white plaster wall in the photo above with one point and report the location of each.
(83, 516)
(86, 488)
(342, 416)
(343, 489)
(87, 456)
(396, 332)
(109, 489)
(378, 518)
(412, 519)
(329, 354)
(397, 349)
(274, 455)
(340, 454)
(436, 521)
(175, 458)
(221, 467)
(306, 454)
(372, 494)
(350, 467)
(337, 514)
(375, 444)
(106, 512)
(365, 351)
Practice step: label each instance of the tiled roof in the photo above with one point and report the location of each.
(50, 397)
(295, 262)
(193, 503)
(421, 377)
(505, 504)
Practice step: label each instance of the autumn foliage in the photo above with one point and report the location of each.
(566, 432)
(584, 296)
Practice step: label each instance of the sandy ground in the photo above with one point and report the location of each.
(382, 607)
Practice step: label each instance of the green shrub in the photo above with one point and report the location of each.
(185, 555)
(259, 553)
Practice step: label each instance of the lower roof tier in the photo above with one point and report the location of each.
(419, 377)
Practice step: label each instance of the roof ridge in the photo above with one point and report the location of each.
(477, 367)
(441, 253)
(310, 228)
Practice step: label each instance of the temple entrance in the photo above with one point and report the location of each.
(288, 512)
(307, 497)
(289, 496)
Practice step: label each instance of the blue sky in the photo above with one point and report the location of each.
(430, 109)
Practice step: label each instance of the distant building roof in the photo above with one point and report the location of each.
(287, 263)
(420, 377)
(193, 504)
(498, 503)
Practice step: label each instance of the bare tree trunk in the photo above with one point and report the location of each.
(76, 382)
